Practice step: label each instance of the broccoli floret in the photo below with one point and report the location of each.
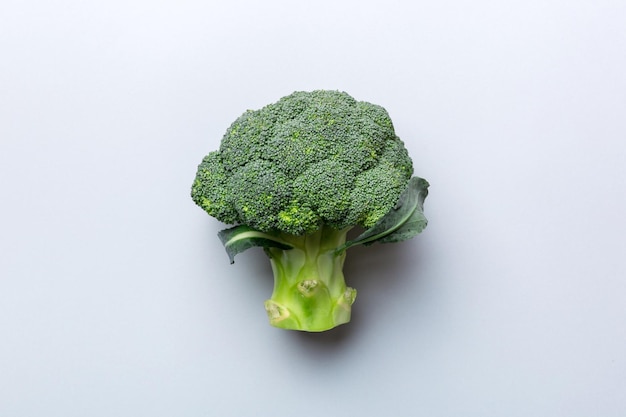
(295, 177)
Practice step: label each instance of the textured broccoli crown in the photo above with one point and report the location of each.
(310, 159)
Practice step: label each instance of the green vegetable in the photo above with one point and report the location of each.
(295, 177)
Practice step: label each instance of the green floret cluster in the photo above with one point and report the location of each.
(310, 159)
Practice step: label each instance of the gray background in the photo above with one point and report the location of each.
(117, 299)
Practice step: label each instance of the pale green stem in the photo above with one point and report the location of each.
(310, 293)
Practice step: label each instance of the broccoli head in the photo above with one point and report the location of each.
(295, 177)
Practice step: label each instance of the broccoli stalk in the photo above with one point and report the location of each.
(310, 291)
(295, 177)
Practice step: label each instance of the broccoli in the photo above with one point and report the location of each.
(294, 177)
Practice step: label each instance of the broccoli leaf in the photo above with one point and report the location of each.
(402, 222)
(240, 238)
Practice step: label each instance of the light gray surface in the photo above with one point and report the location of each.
(117, 299)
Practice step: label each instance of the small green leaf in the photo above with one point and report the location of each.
(402, 222)
(240, 238)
